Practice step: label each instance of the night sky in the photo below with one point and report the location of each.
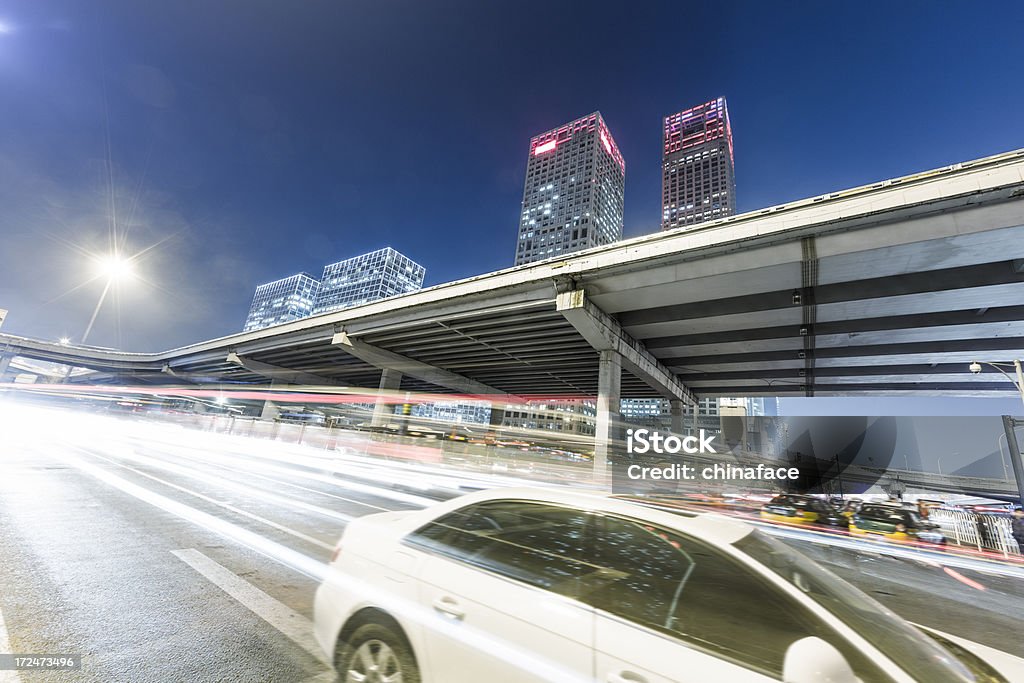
(254, 139)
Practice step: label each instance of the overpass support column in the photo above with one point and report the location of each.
(608, 424)
(5, 363)
(497, 418)
(271, 411)
(390, 382)
(676, 410)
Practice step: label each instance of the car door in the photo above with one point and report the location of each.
(500, 580)
(670, 609)
(868, 519)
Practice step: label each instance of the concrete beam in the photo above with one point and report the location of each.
(276, 372)
(425, 372)
(605, 334)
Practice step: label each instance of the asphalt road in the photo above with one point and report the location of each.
(163, 554)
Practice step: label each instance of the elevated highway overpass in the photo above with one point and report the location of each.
(886, 289)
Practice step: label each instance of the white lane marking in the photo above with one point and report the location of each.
(290, 623)
(5, 647)
(226, 506)
(287, 556)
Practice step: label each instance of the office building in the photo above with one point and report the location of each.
(573, 194)
(362, 279)
(648, 412)
(454, 412)
(698, 173)
(574, 416)
(282, 301)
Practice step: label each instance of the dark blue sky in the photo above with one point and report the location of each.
(262, 138)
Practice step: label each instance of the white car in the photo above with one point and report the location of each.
(526, 585)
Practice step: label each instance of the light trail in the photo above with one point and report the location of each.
(222, 504)
(963, 579)
(230, 485)
(985, 567)
(249, 464)
(318, 571)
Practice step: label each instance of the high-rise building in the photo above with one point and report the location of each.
(366, 278)
(573, 195)
(282, 301)
(698, 173)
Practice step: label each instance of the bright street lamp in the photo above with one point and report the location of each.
(114, 268)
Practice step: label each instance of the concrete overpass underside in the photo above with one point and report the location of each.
(888, 289)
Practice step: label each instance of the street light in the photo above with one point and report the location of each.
(975, 368)
(999, 444)
(114, 268)
(1009, 422)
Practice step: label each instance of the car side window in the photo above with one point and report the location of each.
(534, 543)
(693, 592)
(870, 512)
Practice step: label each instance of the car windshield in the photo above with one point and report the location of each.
(920, 656)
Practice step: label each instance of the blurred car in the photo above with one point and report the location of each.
(529, 585)
(896, 523)
(792, 508)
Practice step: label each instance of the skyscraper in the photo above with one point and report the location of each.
(282, 301)
(573, 195)
(361, 279)
(698, 174)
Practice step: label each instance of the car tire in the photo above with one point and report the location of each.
(376, 654)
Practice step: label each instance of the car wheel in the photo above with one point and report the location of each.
(376, 654)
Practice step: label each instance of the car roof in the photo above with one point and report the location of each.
(708, 526)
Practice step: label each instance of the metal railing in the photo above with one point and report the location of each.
(983, 531)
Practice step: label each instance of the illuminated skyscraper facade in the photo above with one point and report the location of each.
(282, 301)
(698, 173)
(573, 195)
(359, 280)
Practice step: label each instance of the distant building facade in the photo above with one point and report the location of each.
(649, 412)
(377, 275)
(282, 301)
(572, 416)
(698, 170)
(454, 412)
(574, 191)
